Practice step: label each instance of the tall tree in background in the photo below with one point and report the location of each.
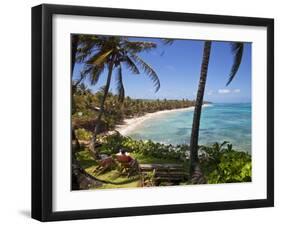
(237, 49)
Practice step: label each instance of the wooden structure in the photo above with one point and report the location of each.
(155, 174)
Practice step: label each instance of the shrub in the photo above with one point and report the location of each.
(221, 164)
(83, 134)
(112, 144)
(225, 165)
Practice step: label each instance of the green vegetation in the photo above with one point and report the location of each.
(86, 111)
(224, 165)
(113, 53)
(113, 176)
(144, 151)
(220, 163)
(93, 114)
(83, 134)
(85, 159)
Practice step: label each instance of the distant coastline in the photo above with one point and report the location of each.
(132, 123)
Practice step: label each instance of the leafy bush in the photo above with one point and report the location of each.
(225, 165)
(83, 134)
(112, 144)
(221, 164)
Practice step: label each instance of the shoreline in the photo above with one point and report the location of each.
(131, 123)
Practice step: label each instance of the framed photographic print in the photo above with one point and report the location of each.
(146, 112)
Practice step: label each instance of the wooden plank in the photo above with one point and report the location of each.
(171, 173)
(168, 178)
(159, 166)
(165, 172)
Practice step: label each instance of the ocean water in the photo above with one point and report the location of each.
(219, 122)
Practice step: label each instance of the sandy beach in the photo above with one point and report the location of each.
(132, 123)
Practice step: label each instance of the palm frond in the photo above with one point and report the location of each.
(86, 45)
(131, 65)
(82, 55)
(148, 70)
(136, 47)
(82, 77)
(120, 86)
(237, 50)
(168, 41)
(87, 69)
(100, 57)
(101, 89)
(96, 72)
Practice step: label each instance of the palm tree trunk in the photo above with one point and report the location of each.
(194, 161)
(101, 111)
(74, 45)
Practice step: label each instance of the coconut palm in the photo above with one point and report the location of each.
(79, 175)
(81, 46)
(237, 50)
(112, 53)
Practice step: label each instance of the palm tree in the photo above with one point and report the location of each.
(78, 173)
(81, 46)
(237, 49)
(112, 53)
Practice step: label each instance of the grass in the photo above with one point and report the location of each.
(224, 165)
(85, 159)
(114, 177)
(132, 184)
(143, 159)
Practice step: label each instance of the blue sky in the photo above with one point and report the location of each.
(178, 68)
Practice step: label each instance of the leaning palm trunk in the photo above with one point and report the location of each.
(101, 111)
(195, 171)
(81, 179)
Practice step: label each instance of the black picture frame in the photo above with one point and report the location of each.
(42, 111)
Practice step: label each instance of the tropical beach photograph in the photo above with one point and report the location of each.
(154, 112)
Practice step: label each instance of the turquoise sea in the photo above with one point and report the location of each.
(219, 122)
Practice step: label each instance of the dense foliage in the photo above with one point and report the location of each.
(112, 144)
(222, 164)
(86, 108)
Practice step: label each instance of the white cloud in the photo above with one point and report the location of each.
(223, 91)
(236, 91)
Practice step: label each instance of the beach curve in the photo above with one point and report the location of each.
(132, 123)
